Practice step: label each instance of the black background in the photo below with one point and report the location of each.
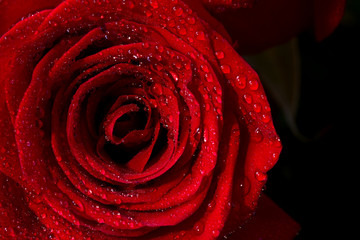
(315, 181)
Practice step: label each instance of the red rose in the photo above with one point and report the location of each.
(127, 119)
(259, 24)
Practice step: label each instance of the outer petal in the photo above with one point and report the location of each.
(328, 14)
(270, 222)
(11, 11)
(16, 219)
(269, 23)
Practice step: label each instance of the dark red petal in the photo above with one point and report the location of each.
(263, 145)
(229, 3)
(12, 11)
(9, 160)
(270, 222)
(328, 14)
(14, 82)
(266, 24)
(17, 221)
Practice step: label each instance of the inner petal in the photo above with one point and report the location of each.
(121, 122)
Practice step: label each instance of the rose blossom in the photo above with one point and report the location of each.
(127, 119)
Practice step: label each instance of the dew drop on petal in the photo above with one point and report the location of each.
(209, 77)
(198, 228)
(257, 107)
(265, 118)
(248, 98)
(190, 20)
(225, 68)
(2, 150)
(219, 54)
(260, 176)
(241, 81)
(215, 233)
(154, 4)
(200, 35)
(258, 136)
(174, 75)
(204, 68)
(178, 11)
(245, 186)
(253, 84)
(211, 205)
(181, 30)
(157, 89)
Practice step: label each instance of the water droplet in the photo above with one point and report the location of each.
(190, 20)
(218, 99)
(207, 107)
(260, 176)
(225, 68)
(145, 44)
(253, 84)
(170, 118)
(153, 103)
(200, 35)
(204, 68)
(174, 75)
(257, 107)
(277, 142)
(245, 186)
(215, 233)
(157, 89)
(198, 228)
(148, 13)
(159, 48)
(181, 30)
(178, 11)
(209, 77)
(265, 118)
(219, 54)
(163, 100)
(205, 136)
(241, 81)
(247, 98)
(211, 205)
(154, 4)
(258, 136)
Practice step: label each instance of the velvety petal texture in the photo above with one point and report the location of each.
(257, 25)
(127, 119)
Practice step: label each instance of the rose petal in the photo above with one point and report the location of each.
(270, 222)
(14, 10)
(328, 15)
(269, 23)
(16, 219)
